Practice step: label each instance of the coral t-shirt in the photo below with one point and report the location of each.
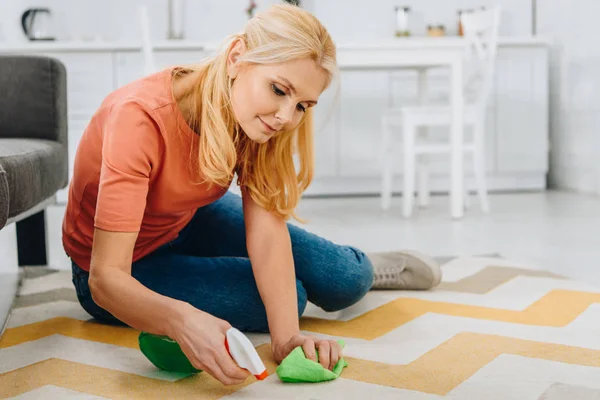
(134, 171)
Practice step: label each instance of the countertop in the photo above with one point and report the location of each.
(94, 46)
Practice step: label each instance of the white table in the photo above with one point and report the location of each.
(420, 53)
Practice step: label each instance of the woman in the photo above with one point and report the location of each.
(157, 241)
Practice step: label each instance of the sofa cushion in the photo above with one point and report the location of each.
(33, 104)
(35, 170)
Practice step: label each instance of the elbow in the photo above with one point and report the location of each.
(96, 285)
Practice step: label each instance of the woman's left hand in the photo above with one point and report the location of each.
(330, 351)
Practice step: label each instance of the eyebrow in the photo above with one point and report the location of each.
(293, 89)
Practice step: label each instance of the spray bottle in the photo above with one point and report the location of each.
(166, 354)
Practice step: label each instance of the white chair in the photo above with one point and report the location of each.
(147, 50)
(481, 34)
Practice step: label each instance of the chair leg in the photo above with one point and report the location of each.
(479, 165)
(423, 131)
(423, 183)
(467, 195)
(408, 194)
(386, 165)
(32, 241)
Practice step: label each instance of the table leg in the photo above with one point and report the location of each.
(422, 161)
(457, 140)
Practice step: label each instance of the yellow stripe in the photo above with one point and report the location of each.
(117, 335)
(450, 364)
(557, 308)
(109, 383)
(118, 385)
(437, 372)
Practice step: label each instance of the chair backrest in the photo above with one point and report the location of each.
(480, 29)
(147, 50)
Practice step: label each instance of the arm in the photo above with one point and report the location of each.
(270, 250)
(114, 289)
(131, 147)
(200, 335)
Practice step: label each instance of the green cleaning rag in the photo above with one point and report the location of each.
(297, 368)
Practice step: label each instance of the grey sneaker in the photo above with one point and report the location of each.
(405, 270)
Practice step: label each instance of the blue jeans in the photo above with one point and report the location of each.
(207, 265)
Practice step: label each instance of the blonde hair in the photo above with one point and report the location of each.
(267, 171)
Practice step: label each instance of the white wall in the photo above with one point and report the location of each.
(119, 19)
(575, 81)
(575, 86)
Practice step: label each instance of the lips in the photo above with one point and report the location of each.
(267, 126)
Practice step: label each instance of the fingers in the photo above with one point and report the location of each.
(330, 351)
(213, 368)
(230, 367)
(219, 365)
(324, 348)
(308, 345)
(336, 353)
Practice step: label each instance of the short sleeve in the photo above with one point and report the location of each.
(131, 148)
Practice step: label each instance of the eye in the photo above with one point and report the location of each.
(280, 92)
(277, 91)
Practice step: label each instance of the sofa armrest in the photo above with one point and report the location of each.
(4, 197)
(33, 98)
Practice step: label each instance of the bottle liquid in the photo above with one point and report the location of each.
(402, 27)
(166, 354)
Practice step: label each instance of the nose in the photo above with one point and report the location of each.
(285, 115)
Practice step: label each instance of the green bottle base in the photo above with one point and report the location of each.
(165, 353)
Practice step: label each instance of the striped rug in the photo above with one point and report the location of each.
(492, 330)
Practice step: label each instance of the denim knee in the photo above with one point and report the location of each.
(351, 282)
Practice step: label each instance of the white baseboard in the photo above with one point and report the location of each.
(577, 178)
(323, 186)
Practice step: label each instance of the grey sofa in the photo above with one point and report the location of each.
(33, 146)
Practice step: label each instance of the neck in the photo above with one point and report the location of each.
(184, 93)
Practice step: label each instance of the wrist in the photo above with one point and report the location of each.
(176, 314)
(279, 339)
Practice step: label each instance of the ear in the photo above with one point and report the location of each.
(236, 50)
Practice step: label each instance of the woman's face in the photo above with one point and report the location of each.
(272, 98)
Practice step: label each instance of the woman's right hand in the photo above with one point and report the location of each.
(201, 336)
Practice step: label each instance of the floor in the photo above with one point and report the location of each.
(511, 328)
(557, 231)
(508, 331)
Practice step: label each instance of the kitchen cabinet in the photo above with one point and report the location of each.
(347, 122)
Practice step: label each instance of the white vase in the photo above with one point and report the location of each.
(176, 15)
